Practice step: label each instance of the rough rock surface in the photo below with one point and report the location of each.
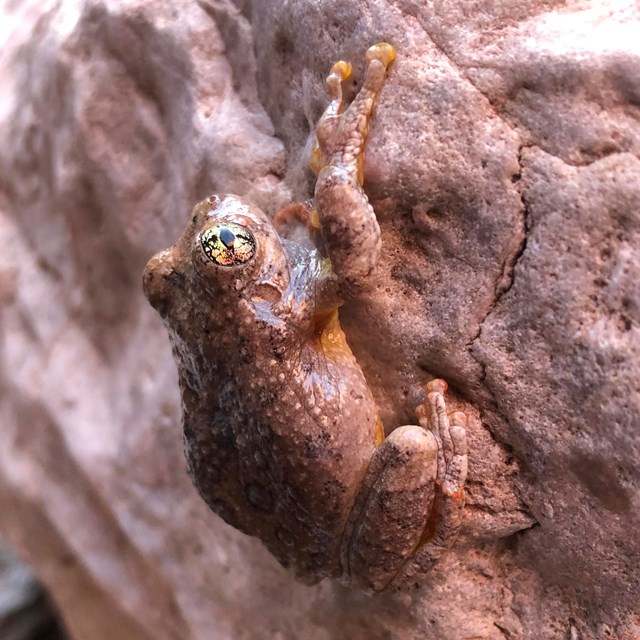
(504, 167)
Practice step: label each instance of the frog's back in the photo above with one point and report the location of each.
(285, 450)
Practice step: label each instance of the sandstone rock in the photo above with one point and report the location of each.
(503, 164)
(25, 610)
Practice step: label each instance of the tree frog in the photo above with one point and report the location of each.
(281, 431)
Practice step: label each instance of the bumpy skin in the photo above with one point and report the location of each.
(281, 431)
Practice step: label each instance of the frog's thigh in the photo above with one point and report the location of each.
(393, 507)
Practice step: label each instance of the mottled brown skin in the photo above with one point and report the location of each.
(281, 431)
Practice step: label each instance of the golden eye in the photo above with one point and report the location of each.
(228, 244)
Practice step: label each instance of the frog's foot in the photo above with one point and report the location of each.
(410, 505)
(341, 135)
(349, 226)
(389, 516)
(299, 222)
(450, 432)
(340, 72)
(328, 122)
(296, 213)
(378, 58)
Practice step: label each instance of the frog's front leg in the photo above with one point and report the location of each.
(411, 500)
(348, 222)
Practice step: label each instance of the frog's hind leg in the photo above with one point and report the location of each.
(450, 432)
(348, 222)
(409, 509)
(392, 508)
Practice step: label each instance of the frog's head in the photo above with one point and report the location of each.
(229, 251)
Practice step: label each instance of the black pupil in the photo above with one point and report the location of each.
(227, 238)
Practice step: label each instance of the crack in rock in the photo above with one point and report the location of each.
(506, 279)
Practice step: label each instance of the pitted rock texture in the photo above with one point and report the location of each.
(503, 163)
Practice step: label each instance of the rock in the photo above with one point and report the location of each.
(504, 166)
(25, 610)
(561, 352)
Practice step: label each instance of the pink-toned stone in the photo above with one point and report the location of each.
(503, 164)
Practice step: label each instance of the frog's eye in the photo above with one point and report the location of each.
(228, 244)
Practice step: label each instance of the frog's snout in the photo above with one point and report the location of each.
(159, 280)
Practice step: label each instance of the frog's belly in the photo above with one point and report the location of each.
(285, 461)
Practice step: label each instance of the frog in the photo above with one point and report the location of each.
(282, 434)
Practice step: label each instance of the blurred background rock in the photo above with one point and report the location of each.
(26, 612)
